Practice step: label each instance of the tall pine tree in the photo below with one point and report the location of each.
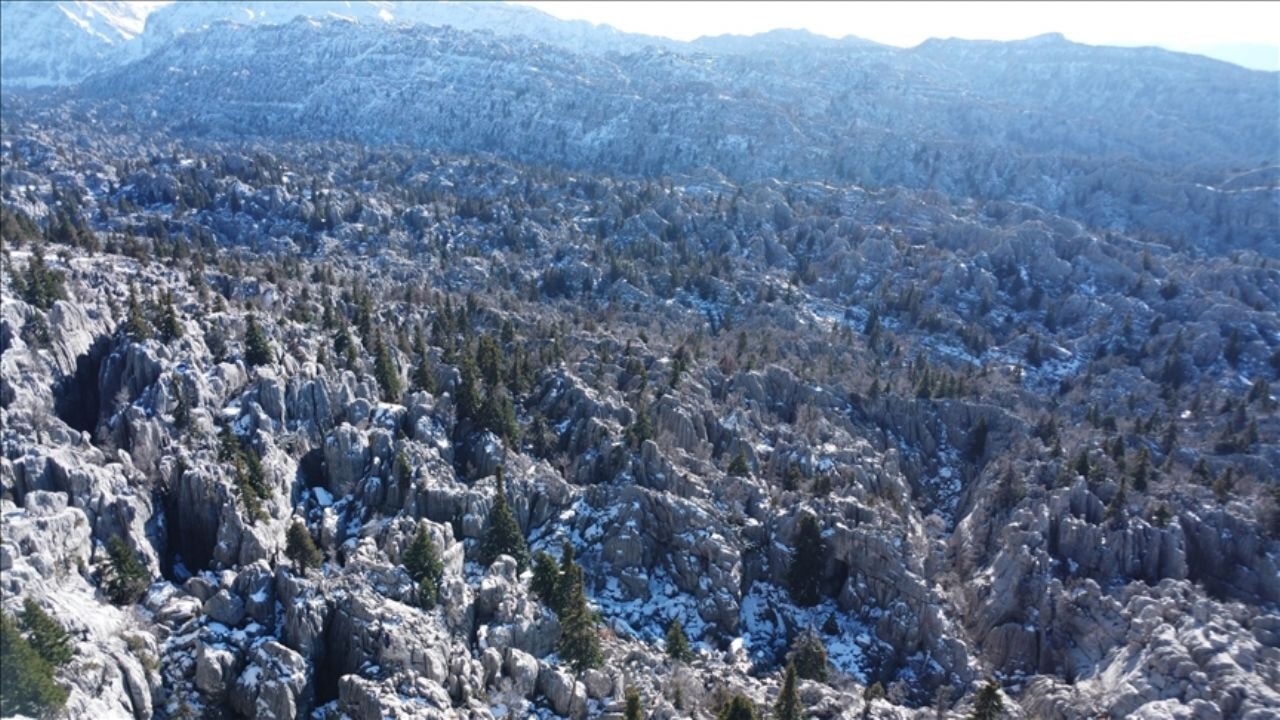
(677, 643)
(808, 560)
(27, 686)
(423, 565)
(504, 536)
(988, 704)
(257, 350)
(300, 548)
(579, 643)
(384, 369)
(633, 710)
(788, 706)
(127, 577)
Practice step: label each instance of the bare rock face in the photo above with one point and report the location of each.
(566, 697)
(347, 457)
(275, 683)
(508, 617)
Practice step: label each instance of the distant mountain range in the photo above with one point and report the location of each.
(63, 42)
(1125, 139)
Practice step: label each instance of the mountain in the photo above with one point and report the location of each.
(60, 43)
(356, 369)
(1123, 139)
(57, 43)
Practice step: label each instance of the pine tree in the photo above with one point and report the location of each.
(564, 582)
(423, 565)
(810, 656)
(633, 710)
(46, 636)
(677, 644)
(300, 548)
(1142, 470)
(808, 560)
(579, 642)
(27, 686)
(546, 578)
(468, 395)
(788, 706)
(1034, 355)
(739, 468)
(127, 577)
(489, 361)
(257, 351)
(423, 377)
(384, 369)
(873, 692)
(168, 324)
(344, 345)
(504, 536)
(136, 325)
(988, 705)
(738, 707)
(499, 416)
(831, 626)
(640, 429)
(1082, 463)
(41, 286)
(181, 411)
(978, 441)
(1233, 348)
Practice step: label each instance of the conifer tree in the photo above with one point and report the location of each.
(423, 565)
(384, 369)
(127, 576)
(499, 416)
(344, 345)
(739, 468)
(468, 394)
(27, 686)
(167, 321)
(136, 325)
(423, 377)
(988, 704)
(257, 350)
(46, 636)
(738, 707)
(640, 429)
(300, 548)
(41, 286)
(564, 582)
(677, 644)
(489, 361)
(633, 710)
(808, 560)
(546, 579)
(1142, 470)
(504, 536)
(873, 692)
(978, 441)
(810, 656)
(181, 411)
(579, 642)
(788, 706)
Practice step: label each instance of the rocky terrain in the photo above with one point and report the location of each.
(268, 332)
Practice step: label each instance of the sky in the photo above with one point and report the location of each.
(1244, 32)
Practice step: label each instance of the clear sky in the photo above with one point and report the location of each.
(1252, 29)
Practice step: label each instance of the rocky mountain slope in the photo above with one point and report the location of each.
(58, 43)
(61, 43)
(1135, 140)
(537, 379)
